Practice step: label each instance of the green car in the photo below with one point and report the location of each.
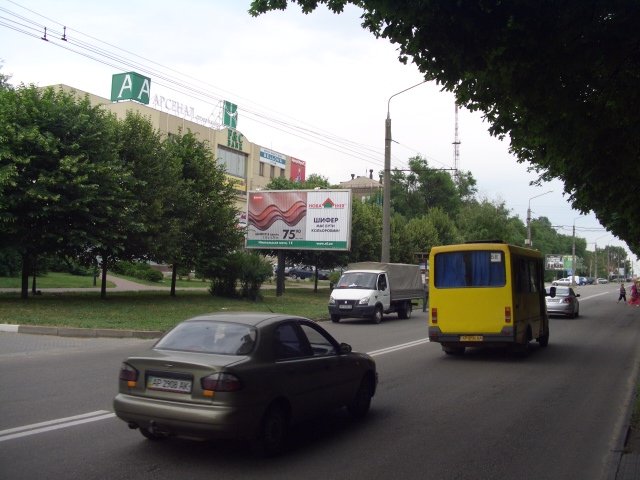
(242, 375)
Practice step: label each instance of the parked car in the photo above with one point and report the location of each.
(304, 271)
(564, 303)
(561, 281)
(601, 281)
(241, 375)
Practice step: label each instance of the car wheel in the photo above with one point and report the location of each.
(273, 431)
(154, 436)
(335, 318)
(359, 406)
(377, 315)
(577, 312)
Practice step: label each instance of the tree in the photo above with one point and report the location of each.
(566, 95)
(486, 220)
(156, 176)
(201, 219)
(422, 188)
(66, 185)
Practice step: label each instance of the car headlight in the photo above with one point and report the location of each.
(364, 301)
(332, 301)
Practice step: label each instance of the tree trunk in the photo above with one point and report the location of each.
(315, 277)
(280, 274)
(174, 276)
(103, 285)
(33, 279)
(24, 288)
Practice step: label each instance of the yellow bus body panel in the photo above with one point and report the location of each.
(482, 310)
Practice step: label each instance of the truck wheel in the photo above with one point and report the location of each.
(377, 315)
(405, 311)
(335, 318)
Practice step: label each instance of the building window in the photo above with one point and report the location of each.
(282, 172)
(272, 171)
(261, 169)
(234, 162)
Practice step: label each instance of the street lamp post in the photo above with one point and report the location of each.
(386, 194)
(573, 254)
(528, 243)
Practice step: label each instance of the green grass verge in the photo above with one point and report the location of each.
(53, 280)
(148, 310)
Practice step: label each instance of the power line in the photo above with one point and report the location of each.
(71, 40)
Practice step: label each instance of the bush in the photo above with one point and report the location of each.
(10, 263)
(249, 268)
(139, 270)
(254, 271)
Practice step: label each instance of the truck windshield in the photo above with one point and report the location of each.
(364, 280)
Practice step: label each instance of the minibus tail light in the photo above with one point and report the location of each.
(434, 315)
(507, 314)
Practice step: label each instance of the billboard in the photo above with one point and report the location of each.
(299, 219)
(561, 262)
(298, 170)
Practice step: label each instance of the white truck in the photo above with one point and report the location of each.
(371, 289)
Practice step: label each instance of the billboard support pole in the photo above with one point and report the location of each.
(280, 274)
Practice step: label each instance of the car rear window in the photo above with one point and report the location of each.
(210, 337)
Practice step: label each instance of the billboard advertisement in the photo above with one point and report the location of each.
(299, 219)
(298, 170)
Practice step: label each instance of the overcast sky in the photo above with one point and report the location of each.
(297, 79)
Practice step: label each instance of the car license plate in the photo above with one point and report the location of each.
(345, 307)
(471, 338)
(169, 384)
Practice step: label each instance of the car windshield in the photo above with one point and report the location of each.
(210, 337)
(365, 280)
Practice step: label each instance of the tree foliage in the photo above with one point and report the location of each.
(559, 79)
(65, 177)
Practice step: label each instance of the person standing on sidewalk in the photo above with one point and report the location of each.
(623, 294)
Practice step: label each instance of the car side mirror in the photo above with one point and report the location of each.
(552, 292)
(345, 348)
(577, 294)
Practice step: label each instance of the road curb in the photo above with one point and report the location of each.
(79, 332)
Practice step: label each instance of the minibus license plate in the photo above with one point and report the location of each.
(471, 338)
(345, 307)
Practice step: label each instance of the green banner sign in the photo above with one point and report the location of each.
(130, 86)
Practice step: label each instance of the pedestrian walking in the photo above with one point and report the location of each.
(623, 294)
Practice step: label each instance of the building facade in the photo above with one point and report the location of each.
(249, 166)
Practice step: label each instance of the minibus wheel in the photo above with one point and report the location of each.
(544, 340)
(449, 350)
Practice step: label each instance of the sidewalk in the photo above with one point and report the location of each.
(121, 285)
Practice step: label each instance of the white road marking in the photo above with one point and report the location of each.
(395, 348)
(57, 424)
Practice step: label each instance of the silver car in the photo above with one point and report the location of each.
(564, 303)
(241, 375)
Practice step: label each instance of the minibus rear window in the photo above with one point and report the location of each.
(473, 268)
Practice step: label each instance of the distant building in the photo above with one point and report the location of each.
(363, 188)
(249, 166)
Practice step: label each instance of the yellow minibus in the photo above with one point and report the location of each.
(486, 294)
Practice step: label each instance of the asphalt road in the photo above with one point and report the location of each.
(556, 414)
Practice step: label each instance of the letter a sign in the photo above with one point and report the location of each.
(130, 86)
